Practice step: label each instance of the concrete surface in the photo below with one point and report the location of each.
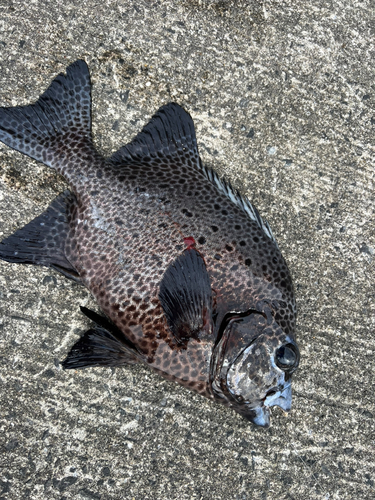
(282, 94)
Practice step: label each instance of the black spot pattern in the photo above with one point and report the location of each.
(132, 214)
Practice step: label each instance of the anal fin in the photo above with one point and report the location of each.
(97, 347)
(102, 345)
(42, 241)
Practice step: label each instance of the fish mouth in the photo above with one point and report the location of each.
(282, 398)
(262, 416)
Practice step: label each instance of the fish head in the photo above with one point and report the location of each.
(261, 377)
(258, 360)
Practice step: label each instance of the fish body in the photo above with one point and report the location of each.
(188, 275)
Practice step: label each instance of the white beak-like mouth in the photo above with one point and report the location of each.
(262, 417)
(283, 398)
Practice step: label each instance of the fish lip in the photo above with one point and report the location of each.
(263, 418)
(279, 397)
(260, 416)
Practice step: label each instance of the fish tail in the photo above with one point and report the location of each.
(57, 124)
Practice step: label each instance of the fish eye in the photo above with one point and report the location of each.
(287, 357)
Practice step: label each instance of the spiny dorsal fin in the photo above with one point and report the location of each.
(170, 132)
(238, 199)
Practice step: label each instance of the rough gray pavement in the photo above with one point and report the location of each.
(282, 95)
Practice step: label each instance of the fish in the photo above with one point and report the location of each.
(189, 277)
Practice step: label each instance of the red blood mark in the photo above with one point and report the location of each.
(207, 321)
(189, 242)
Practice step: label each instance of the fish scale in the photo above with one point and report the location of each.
(188, 275)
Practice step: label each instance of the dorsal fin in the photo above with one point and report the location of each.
(170, 132)
(238, 199)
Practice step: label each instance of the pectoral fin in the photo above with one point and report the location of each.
(186, 297)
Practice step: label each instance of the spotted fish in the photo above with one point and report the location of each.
(188, 275)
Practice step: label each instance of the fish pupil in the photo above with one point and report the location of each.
(286, 357)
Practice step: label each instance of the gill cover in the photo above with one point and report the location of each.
(238, 334)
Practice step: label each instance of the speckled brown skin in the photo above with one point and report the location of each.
(134, 214)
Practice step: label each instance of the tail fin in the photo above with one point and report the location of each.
(60, 119)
